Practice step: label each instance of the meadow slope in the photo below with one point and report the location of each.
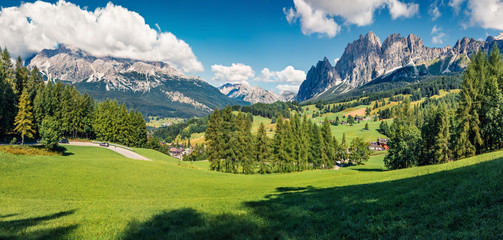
(95, 193)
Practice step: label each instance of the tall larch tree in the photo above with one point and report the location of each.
(24, 119)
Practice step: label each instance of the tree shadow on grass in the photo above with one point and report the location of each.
(464, 203)
(18, 229)
(369, 169)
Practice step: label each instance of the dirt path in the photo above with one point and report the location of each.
(122, 151)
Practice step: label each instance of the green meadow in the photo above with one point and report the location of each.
(94, 193)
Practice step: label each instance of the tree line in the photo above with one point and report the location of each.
(298, 144)
(31, 108)
(440, 131)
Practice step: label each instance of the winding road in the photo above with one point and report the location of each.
(122, 151)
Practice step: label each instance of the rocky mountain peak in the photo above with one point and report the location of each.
(366, 59)
(74, 65)
(249, 94)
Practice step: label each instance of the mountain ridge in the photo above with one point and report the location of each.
(154, 88)
(253, 94)
(367, 59)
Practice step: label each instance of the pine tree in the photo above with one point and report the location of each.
(24, 118)
(442, 152)
(404, 137)
(214, 140)
(492, 103)
(316, 146)
(7, 103)
(469, 138)
(228, 141)
(496, 65)
(261, 149)
(329, 150)
(20, 77)
(366, 126)
(244, 143)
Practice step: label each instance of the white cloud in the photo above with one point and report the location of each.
(486, 13)
(236, 73)
(434, 11)
(286, 87)
(109, 31)
(438, 35)
(317, 16)
(399, 9)
(287, 75)
(312, 20)
(456, 4)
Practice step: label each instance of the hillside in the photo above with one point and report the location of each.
(96, 193)
(154, 88)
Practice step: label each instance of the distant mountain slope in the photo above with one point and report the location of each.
(367, 59)
(253, 94)
(154, 88)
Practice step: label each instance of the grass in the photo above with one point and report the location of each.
(157, 122)
(94, 193)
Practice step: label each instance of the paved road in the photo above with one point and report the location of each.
(125, 152)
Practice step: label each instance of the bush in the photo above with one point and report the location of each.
(50, 133)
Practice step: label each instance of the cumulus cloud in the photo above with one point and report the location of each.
(438, 35)
(311, 20)
(486, 13)
(434, 11)
(317, 16)
(287, 88)
(236, 73)
(287, 75)
(110, 31)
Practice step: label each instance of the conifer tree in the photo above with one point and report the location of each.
(214, 140)
(261, 149)
(316, 146)
(228, 141)
(469, 134)
(20, 77)
(404, 137)
(492, 102)
(7, 103)
(328, 152)
(24, 118)
(244, 143)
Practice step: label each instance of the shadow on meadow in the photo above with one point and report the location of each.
(19, 228)
(465, 203)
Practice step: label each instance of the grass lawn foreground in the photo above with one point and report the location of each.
(94, 193)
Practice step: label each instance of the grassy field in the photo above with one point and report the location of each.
(157, 122)
(94, 193)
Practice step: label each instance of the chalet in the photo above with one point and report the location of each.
(380, 145)
(375, 146)
(176, 152)
(344, 123)
(357, 118)
(383, 141)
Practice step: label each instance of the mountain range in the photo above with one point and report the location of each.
(254, 94)
(367, 59)
(154, 88)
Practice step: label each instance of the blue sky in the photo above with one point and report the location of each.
(257, 34)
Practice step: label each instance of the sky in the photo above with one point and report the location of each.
(266, 43)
